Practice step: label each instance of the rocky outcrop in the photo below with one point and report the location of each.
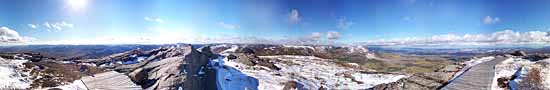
(536, 57)
(422, 81)
(252, 60)
(172, 68)
(327, 52)
(293, 85)
(519, 53)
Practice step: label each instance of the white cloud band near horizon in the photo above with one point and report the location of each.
(505, 37)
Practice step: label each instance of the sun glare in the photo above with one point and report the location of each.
(77, 4)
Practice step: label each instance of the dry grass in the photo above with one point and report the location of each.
(533, 80)
(55, 74)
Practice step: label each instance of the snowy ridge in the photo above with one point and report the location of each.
(312, 73)
(232, 49)
(11, 74)
(229, 78)
(299, 46)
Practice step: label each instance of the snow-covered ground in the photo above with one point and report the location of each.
(522, 73)
(230, 50)
(76, 85)
(11, 75)
(229, 78)
(508, 68)
(299, 46)
(312, 73)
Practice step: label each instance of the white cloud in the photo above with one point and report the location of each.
(55, 26)
(333, 35)
(229, 26)
(343, 23)
(33, 26)
(154, 19)
(294, 17)
(8, 35)
(315, 35)
(500, 37)
(491, 20)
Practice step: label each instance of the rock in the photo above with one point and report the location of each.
(290, 85)
(246, 50)
(535, 57)
(450, 68)
(246, 59)
(398, 85)
(208, 52)
(176, 68)
(138, 76)
(293, 85)
(252, 60)
(503, 82)
(519, 53)
(231, 57)
(322, 88)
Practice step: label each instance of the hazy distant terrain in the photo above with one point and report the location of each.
(74, 51)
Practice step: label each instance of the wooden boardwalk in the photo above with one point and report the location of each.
(109, 81)
(479, 77)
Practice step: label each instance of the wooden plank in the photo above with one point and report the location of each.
(479, 77)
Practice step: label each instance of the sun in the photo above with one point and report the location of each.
(77, 4)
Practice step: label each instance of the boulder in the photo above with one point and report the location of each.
(231, 57)
(293, 85)
(251, 60)
(176, 68)
(519, 53)
(536, 57)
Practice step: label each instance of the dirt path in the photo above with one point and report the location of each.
(479, 77)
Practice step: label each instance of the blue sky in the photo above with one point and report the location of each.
(344, 21)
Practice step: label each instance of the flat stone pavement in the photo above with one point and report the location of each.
(479, 77)
(109, 81)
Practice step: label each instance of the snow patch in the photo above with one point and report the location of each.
(11, 74)
(313, 73)
(297, 46)
(229, 78)
(76, 85)
(508, 68)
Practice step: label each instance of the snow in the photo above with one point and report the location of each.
(76, 85)
(11, 74)
(360, 49)
(232, 49)
(508, 68)
(135, 59)
(229, 78)
(312, 73)
(521, 73)
(140, 59)
(299, 46)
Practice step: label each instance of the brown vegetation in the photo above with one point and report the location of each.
(533, 80)
(50, 74)
(409, 64)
